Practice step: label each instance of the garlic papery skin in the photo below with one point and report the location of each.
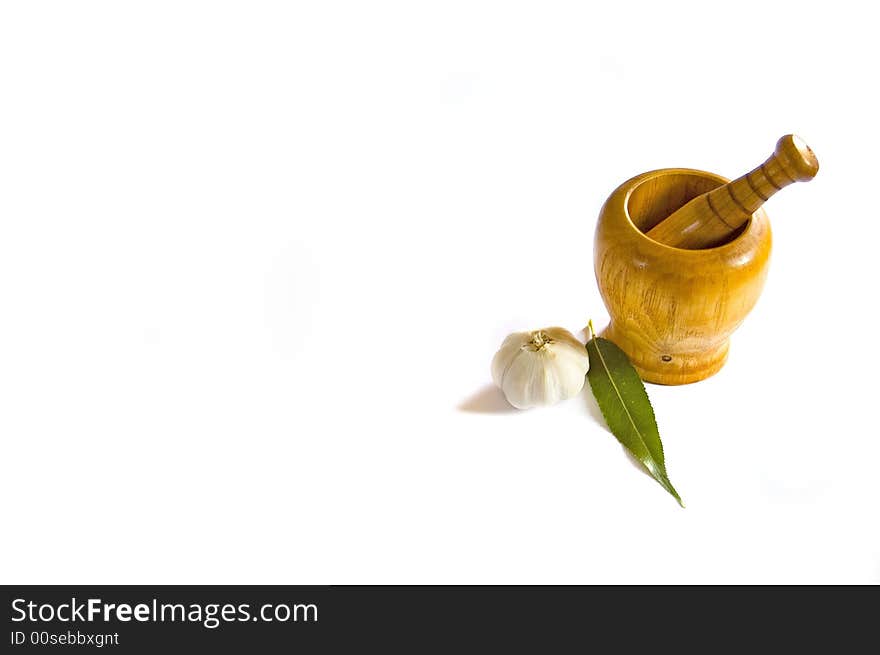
(540, 367)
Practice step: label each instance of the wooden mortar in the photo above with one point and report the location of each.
(673, 310)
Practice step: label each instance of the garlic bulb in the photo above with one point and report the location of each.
(540, 367)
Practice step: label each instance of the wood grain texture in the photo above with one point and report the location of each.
(716, 216)
(673, 310)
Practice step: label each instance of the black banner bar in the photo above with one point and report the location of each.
(268, 619)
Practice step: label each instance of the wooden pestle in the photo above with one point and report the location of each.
(714, 217)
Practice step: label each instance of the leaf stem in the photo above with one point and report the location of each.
(590, 326)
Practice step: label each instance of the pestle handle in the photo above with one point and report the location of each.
(713, 217)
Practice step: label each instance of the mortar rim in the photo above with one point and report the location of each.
(642, 178)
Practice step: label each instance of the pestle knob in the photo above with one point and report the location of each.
(714, 217)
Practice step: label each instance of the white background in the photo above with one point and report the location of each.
(255, 259)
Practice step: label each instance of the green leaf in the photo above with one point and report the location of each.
(625, 406)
